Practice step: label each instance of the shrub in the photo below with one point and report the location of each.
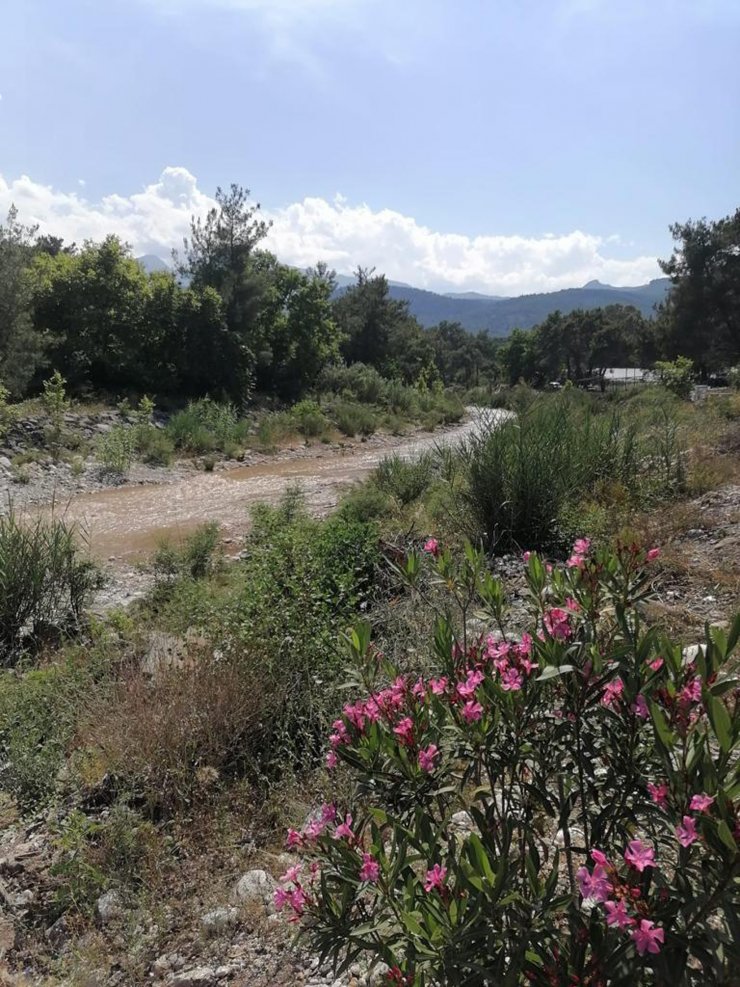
(45, 583)
(56, 404)
(365, 503)
(206, 425)
(554, 808)
(116, 449)
(677, 375)
(153, 445)
(521, 472)
(358, 382)
(309, 418)
(405, 479)
(274, 428)
(352, 419)
(301, 582)
(167, 743)
(199, 555)
(7, 411)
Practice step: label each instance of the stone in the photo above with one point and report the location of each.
(109, 907)
(219, 918)
(199, 976)
(256, 887)
(5, 462)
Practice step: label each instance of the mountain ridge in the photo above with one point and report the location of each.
(495, 314)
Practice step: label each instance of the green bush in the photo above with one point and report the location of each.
(205, 426)
(153, 445)
(405, 479)
(365, 503)
(353, 419)
(116, 450)
(45, 582)
(275, 428)
(309, 418)
(357, 382)
(677, 375)
(197, 557)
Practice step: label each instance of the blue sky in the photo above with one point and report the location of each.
(507, 145)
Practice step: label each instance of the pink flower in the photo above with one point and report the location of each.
(431, 545)
(294, 839)
(686, 832)
(656, 664)
(612, 691)
(291, 875)
(658, 793)
(557, 624)
(428, 758)
(599, 857)
(581, 546)
(472, 711)
(617, 914)
(572, 604)
(527, 556)
(418, 689)
(647, 937)
(652, 554)
(370, 869)
(639, 707)
(331, 760)
(639, 855)
(435, 878)
(511, 680)
(691, 692)
(595, 886)
(355, 713)
(438, 686)
(700, 803)
(471, 683)
(525, 645)
(344, 830)
(281, 898)
(576, 562)
(328, 812)
(405, 731)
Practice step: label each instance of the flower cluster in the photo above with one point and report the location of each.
(621, 898)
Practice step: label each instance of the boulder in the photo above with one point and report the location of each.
(256, 887)
(109, 907)
(199, 976)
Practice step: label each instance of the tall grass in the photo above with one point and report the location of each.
(206, 426)
(45, 583)
(522, 472)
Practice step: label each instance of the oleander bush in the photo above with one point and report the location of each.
(554, 807)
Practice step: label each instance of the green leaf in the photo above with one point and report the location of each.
(723, 831)
(663, 731)
(720, 720)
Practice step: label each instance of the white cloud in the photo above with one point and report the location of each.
(343, 234)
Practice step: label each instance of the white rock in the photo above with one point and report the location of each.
(219, 918)
(200, 976)
(462, 821)
(109, 907)
(5, 462)
(256, 887)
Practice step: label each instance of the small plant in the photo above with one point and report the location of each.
(45, 582)
(405, 479)
(198, 557)
(556, 807)
(7, 411)
(354, 419)
(117, 449)
(56, 404)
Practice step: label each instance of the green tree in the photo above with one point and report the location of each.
(701, 317)
(21, 347)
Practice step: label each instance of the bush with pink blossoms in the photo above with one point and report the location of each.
(558, 807)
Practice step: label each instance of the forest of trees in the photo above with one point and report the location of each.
(232, 321)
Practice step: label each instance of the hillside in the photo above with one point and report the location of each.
(492, 313)
(499, 316)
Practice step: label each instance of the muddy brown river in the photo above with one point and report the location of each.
(124, 524)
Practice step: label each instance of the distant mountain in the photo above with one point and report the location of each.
(151, 263)
(499, 316)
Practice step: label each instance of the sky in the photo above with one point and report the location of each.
(504, 146)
